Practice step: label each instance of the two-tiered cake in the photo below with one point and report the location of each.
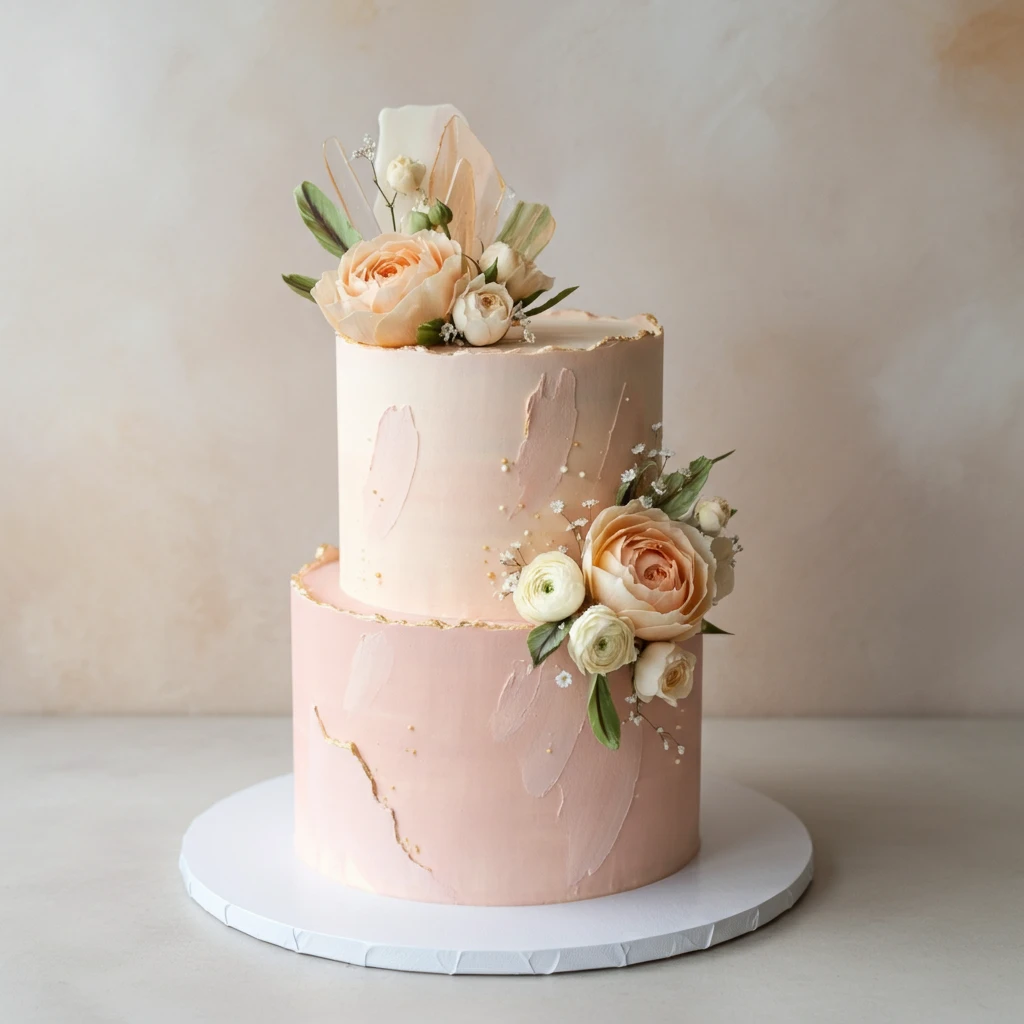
(497, 676)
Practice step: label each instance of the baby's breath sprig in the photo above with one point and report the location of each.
(368, 152)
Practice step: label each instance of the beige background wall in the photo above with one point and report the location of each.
(822, 200)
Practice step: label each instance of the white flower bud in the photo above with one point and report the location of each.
(519, 275)
(600, 641)
(664, 670)
(549, 589)
(711, 515)
(405, 174)
(482, 313)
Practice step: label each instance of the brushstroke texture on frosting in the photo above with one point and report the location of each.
(392, 466)
(371, 666)
(548, 434)
(611, 432)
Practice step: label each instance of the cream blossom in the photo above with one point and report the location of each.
(385, 287)
(519, 275)
(601, 641)
(405, 175)
(724, 549)
(711, 515)
(664, 670)
(549, 589)
(483, 312)
(657, 573)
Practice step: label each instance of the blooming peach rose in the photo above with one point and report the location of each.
(385, 287)
(657, 573)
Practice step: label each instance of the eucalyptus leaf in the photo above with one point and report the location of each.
(546, 639)
(630, 488)
(604, 719)
(685, 487)
(551, 302)
(330, 227)
(710, 627)
(429, 332)
(491, 273)
(300, 284)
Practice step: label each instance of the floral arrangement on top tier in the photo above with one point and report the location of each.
(650, 568)
(426, 263)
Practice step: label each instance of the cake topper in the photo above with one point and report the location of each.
(443, 255)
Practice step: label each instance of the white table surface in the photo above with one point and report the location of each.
(915, 912)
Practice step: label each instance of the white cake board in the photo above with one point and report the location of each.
(238, 863)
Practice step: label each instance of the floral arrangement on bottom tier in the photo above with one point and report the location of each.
(650, 568)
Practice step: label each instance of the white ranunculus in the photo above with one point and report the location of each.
(664, 670)
(724, 550)
(600, 641)
(483, 312)
(711, 515)
(519, 275)
(549, 589)
(405, 175)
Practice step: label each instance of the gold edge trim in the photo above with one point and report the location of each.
(327, 553)
(612, 339)
(382, 801)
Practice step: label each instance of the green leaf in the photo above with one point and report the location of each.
(546, 639)
(330, 227)
(531, 298)
(630, 488)
(551, 302)
(528, 229)
(682, 489)
(604, 719)
(491, 273)
(429, 332)
(300, 284)
(710, 627)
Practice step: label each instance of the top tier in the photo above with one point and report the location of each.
(449, 455)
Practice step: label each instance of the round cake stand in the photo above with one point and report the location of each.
(238, 863)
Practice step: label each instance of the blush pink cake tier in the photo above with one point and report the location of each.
(432, 761)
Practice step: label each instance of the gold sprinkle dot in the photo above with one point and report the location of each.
(375, 490)
(536, 515)
(417, 849)
(487, 547)
(392, 787)
(549, 750)
(490, 575)
(411, 728)
(377, 574)
(501, 508)
(575, 444)
(504, 462)
(526, 533)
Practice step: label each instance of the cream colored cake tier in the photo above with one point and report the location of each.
(447, 455)
(434, 763)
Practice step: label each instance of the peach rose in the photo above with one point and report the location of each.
(657, 573)
(385, 287)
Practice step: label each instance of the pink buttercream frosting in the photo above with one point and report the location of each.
(432, 762)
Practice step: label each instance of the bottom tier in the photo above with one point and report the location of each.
(432, 762)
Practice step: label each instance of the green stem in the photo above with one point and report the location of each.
(389, 202)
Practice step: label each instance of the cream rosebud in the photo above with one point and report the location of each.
(549, 589)
(664, 670)
(600, 641)
(405, 174)
(483, 312)
(519, 275)
(711, 515)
